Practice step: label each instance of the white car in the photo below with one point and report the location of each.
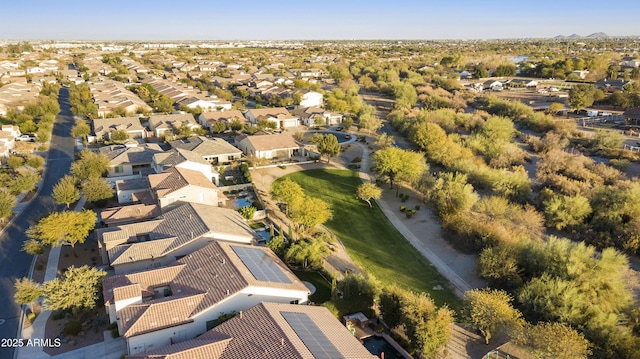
(26, 138)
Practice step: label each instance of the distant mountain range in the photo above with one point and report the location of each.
(595, 35)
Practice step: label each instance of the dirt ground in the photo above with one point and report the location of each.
(87, 253)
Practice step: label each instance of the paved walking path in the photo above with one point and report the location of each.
(423, 230)
(425, 236)
(109, 349)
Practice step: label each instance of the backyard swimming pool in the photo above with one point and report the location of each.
(378, 345)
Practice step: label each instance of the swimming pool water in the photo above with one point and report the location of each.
(378, 345)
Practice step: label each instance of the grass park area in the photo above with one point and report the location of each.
(371, 240)
(323, 287)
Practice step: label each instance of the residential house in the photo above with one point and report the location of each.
(128, 189)
(8, 135)
(610, 85)
(632, 113)
(582, 74)
(179, 231)
(160, 307)
(279, 115)
(629, 61)
(280, 146)
(310, 116)
(311, 99)
(185, 185)
(109, 94)
(214, 150)
(523, 83)
(494, 85)
(167, 124)
(178, 157)
(104, 127)
(207, 119)
(207, 104)
(131, 160)
(116, 216)
(284, 332)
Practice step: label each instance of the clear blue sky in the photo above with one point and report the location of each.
(312, 20)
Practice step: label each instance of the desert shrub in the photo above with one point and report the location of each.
(72, 328)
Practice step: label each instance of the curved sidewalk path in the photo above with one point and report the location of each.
(452, 264)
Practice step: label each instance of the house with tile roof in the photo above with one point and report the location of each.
(207, 119)
(114, 216)
(167, 124)
(179, 231)
(278, 146)
(270, 331)
(210, 103)
(214, 150)
(127, 190)
(8, 135)
(181, 184)
(131, 160)
(279, 115)
(311, 99)
(164, 306)
(179, 157)
(309, 115)
(103, 127)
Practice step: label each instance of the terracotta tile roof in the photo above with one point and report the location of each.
(176, 227)
(118, 155)
(135, 252)
(203, 146)
(191, 349)
(177, 156)
(270, 112)
(198, 282)
(175, 178)
(263, 332)
(273, 142)
(136, 212)
(103, 126)
(226, 116)
(143, 280)
(171, 121)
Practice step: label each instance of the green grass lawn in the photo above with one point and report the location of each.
(323, 288)
(372, 241)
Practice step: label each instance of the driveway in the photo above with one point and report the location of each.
(14, 263)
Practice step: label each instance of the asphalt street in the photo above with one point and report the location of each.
(15, 263)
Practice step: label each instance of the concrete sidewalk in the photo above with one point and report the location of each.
(110, 348)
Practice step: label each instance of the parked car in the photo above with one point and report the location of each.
(26, 138)
(339, 128)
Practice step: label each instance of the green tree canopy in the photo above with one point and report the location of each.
(582, 96)
(27, 292)
(288, 192)
(399, 165)
(76, 290)
(96, 189)
(390, 304)
(428, 327)
(66, 227)
(89, 164)
(81, 129)
(7, 201)
(452, 194)
(66, 191)
(368, 191)
(328, 146)
(491, 312)
(310, 212)
(554, 340)
(308, 252)
(119, 136)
